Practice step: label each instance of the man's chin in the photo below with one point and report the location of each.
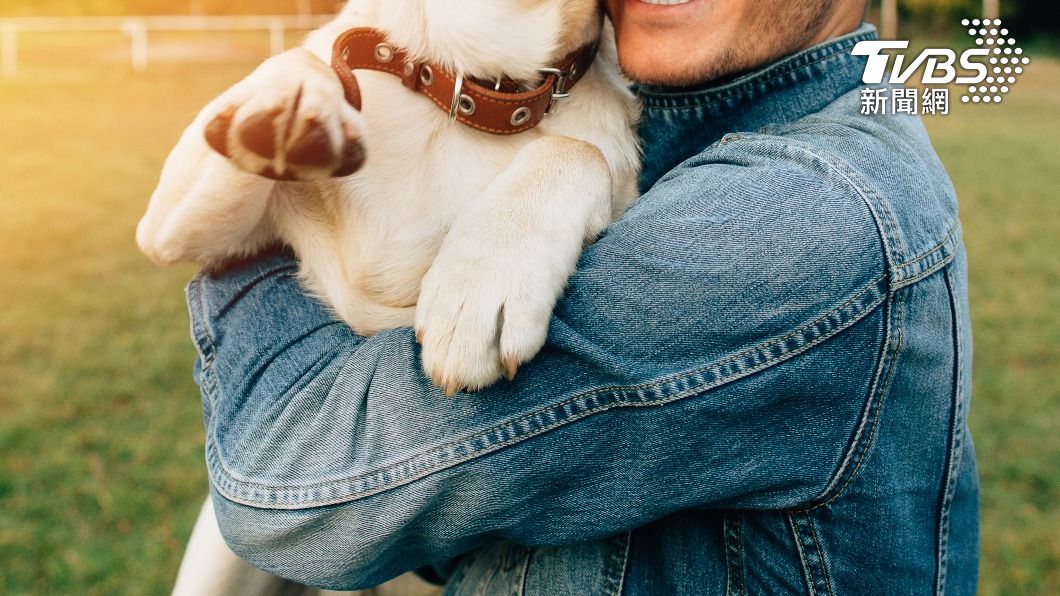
(656, 68)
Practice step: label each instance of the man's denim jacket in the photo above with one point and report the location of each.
(757, 382)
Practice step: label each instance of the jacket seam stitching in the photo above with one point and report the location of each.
(726, 537)
(202, 339)
(820, 553)
(886, 226)
(886, 222)
(806, 573)
(932, 270)
(954, 445)
(941, 244)
(877, 401)
(199, 327)
(658, 383)
(254, 281)
(806, 537)
(618, 397)
(618, 580)
(733, 554)
(524, 571)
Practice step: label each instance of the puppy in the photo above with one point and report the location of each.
(408, 211)
(469, 236)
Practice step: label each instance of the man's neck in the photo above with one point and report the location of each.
(847, 17)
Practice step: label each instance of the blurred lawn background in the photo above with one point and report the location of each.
(101, 471)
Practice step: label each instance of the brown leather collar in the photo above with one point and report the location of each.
(503, 109)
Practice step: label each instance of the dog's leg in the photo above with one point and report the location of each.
(204, 209)
(287, 121)
(485, 304)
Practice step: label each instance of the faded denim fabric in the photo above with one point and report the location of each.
(757, 383)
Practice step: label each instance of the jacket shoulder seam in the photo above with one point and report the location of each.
(903, 268)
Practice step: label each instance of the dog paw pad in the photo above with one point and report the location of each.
(353, 156)
(312, 147)
(217, 131)
(258, 133)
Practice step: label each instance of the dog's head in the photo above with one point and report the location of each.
(492, 38)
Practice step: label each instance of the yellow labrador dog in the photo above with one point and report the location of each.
(450, 184)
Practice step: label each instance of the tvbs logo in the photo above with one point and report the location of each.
(939, 64)
(987, 71)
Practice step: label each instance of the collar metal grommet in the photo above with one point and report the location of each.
(467, 105)
(521, 116)
(384, 53)
(426, 75)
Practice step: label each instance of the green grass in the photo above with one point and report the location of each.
(101, 470)
(1004, 161)
(101, 467)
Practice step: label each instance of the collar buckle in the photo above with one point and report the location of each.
(458, 90)
(559, 88)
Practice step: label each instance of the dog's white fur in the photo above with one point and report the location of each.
(469, 236)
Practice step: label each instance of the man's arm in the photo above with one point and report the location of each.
(714, 349)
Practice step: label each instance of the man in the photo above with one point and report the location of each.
(757, 382)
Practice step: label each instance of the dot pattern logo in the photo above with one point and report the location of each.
(1006, 61)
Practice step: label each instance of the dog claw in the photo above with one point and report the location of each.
(511, 367)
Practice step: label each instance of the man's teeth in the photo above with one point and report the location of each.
(666, 2)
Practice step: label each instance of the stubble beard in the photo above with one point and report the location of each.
(763, 44)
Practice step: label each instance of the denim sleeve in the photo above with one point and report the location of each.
(715, 348)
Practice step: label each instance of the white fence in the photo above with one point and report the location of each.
(138, 29)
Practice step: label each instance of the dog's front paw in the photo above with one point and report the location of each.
(482, 312)
(289, 120)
